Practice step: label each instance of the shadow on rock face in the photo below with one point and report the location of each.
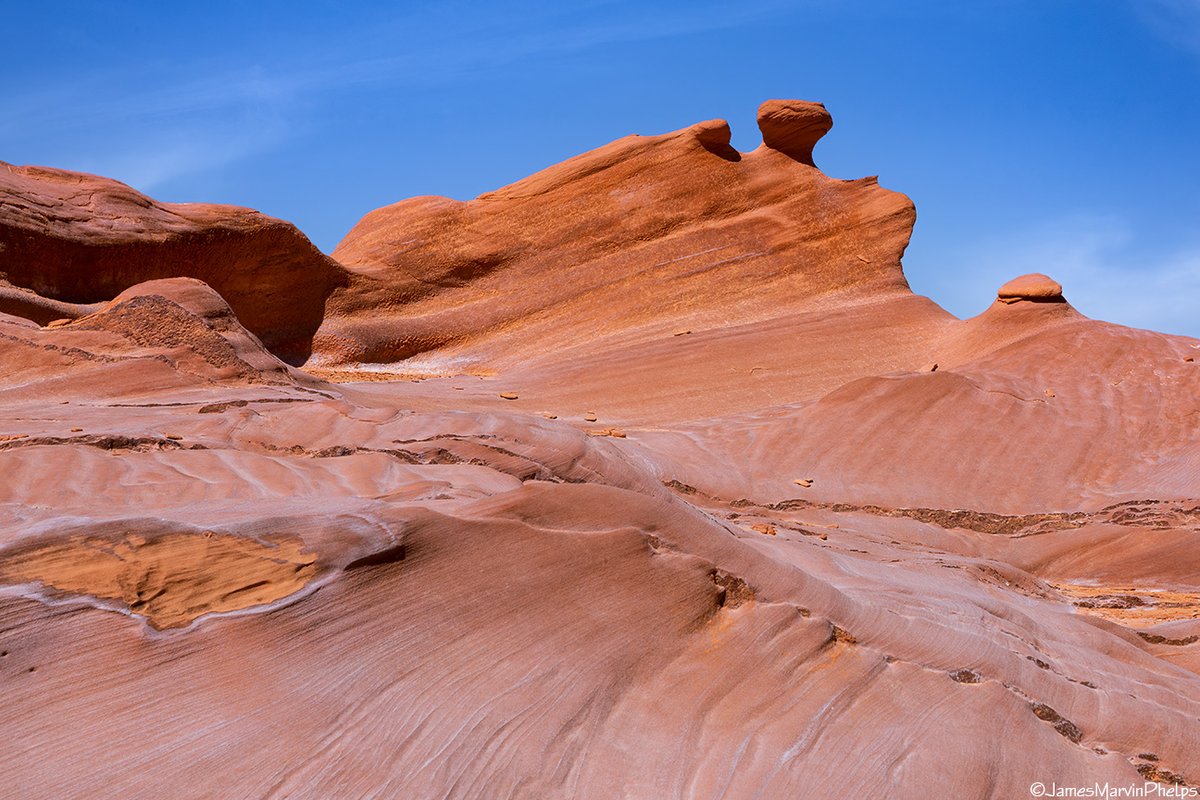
(79, 239)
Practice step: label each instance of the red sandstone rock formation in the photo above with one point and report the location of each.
(1030, 287)
(633, 240)
(655, 495)
(78, 238)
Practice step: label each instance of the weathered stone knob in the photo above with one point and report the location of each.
(793, 126)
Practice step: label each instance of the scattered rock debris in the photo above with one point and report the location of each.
(1157, 774)
(1112, 601)
(1063, 726)
(1155, 638)
(965, 676)
(217, 408)
(734, 591)
(842, 635)
(615, 433)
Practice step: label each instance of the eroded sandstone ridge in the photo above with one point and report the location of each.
(646, 476)
(68, 239)
(638, 238)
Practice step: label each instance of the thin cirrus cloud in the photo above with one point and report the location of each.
(1101, 264)
(1176, 21)
(176, 125)
(168, 125)
(176, 153)
(154, 135)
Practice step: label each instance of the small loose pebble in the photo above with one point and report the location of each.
(1049, 393)
(76, 430)
(805, 482)
(548, 415)
(508, 395)
(930, 367)
(589, 417)
(174, 437)
(681, 333)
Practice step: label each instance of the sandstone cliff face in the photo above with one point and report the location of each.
(78, 238)
(665, 487)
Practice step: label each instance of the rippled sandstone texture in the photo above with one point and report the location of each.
(644, 477)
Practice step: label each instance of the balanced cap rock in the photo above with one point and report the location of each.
(1034, 286)
(793, 126)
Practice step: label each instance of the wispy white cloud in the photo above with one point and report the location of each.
(150, 137)
(1096, 259)
(158, 161)
(1176, 21)
(154, 135)
(150, 128)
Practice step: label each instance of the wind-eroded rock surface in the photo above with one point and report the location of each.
(79, 239)
(644, 477)
(629, 242)
(170, 579)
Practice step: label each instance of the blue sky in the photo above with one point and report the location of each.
(1034, 135)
